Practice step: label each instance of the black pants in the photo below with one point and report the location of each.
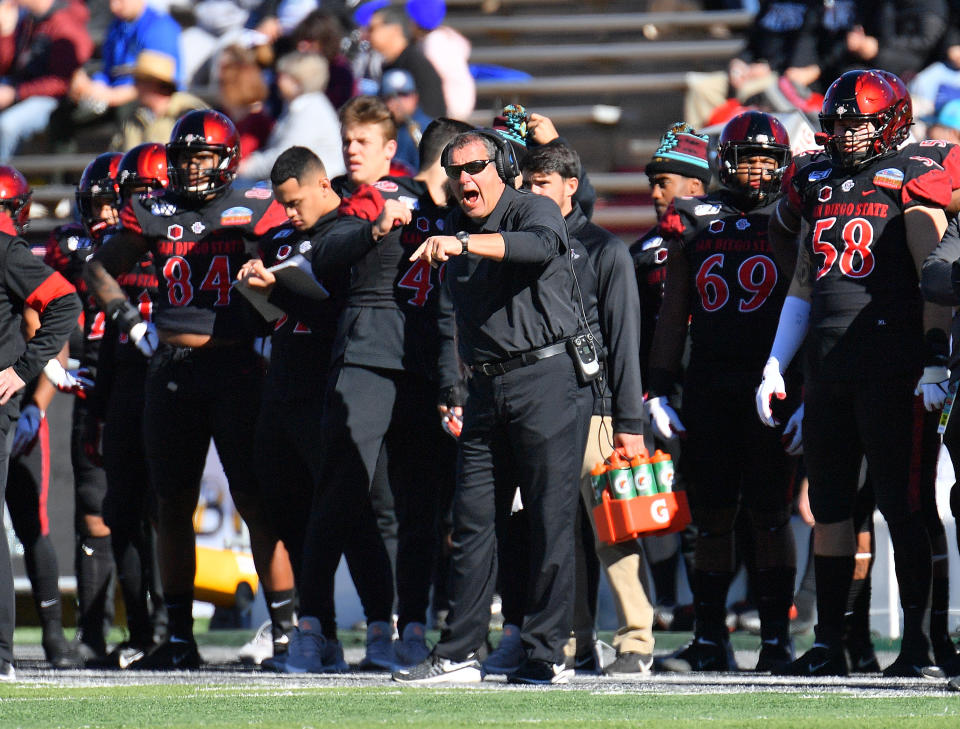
(842, 423)
(90, 480)
(128, 504)
(8, 417)
(366, 409)
(522, 429)
(28, 486)
(289, 466)
(730, 458)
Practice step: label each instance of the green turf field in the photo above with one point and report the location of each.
(163, 707)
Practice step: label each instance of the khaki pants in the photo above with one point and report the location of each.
(622, 562)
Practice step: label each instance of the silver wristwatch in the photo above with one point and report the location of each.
(464, 238)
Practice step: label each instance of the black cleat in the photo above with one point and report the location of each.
(125, 655)
(60, 654)
(775, 653)
(820, 660)
(912, 667)
(173, 654)
(947, 658)
(702, 654)
(862, 658)
(536, 672)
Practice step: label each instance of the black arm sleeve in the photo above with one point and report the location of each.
(935, 275)
(448, 361)
(343, 245)
(619, 304)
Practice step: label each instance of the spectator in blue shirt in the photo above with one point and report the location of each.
(136, 27)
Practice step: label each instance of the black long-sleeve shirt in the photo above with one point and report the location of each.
(26, 281)
(524, 301)
(618, 307)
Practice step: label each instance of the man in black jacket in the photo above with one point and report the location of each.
(24, 281)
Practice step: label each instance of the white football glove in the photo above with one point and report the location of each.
(794, 445)
(771, 385)
(933, 387)
(144, 336)
(666, 423)
(27, 426)
(75, 382)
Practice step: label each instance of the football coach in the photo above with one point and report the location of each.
(511, 283)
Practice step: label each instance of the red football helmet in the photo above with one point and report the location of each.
(753, 134)
(15, 196)
(203, 131)
(98, 187)
(905, 120)
(143, 169)
(861, 96)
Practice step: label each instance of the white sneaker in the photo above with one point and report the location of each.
(412, 648)
(379, 646)
(441, 670)
(509, 653)
(259, 648)
(311, 652)
(6, 671)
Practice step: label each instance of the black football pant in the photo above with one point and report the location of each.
(128, 505)
(191, 396)
(732, 465)
(289, 466)
(522, 429)
(28, 483)
(8, 419)
(93, 556)
(842, 423)
(366, 409)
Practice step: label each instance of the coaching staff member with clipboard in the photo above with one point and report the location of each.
(510, 279)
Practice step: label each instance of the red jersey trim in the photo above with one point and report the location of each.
(53, 287)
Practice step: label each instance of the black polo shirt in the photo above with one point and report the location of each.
(523, 302)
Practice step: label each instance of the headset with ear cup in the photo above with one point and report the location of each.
(504, 160)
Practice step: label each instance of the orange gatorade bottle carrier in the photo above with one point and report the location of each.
(652, 508)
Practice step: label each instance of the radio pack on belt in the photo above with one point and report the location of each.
(584, 355)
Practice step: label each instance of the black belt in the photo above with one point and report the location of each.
(502, 367)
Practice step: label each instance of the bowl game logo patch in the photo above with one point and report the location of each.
(236, 216)
(890, 178)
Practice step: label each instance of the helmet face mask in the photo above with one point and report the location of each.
(15, 196)
(859, 98)
(750, 135)
(203, 154)
(98, 189)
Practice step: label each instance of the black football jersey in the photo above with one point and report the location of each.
(198, 252)
(68, 249)
(398, 330)
(736, 287)
(302, 339)
(649, 255)
(866, 308)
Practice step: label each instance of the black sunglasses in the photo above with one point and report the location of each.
(471, 168)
